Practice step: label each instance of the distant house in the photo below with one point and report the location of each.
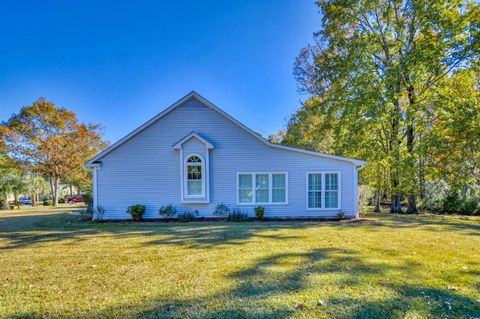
(195, 156)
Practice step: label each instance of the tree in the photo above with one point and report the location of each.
(36, 186)
(277, 138)
(49, 141)
(12, 183)
(453, 142)
(373, 64)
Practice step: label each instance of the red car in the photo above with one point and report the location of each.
(75, 199)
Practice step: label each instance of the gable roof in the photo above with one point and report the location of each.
(210, 105)
(178, 145)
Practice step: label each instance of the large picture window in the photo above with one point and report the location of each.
(323, 190)
(262, 188)
(194, 171)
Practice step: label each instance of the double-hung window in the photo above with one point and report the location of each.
(194, 176)
(323, 190)
(262, 188)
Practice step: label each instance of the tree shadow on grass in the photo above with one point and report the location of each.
(32, 229)
(24, 231)
(434, 223)
(270, 287)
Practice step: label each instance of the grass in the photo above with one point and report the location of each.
(414, 266)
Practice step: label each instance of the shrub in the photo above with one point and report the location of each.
(470, 206)
(86, 215)
(452, 203)
(259, 212)
(188, 216)
(167, 211)
(221, 210)
(99, 213)
(237, 216)
(341, 214)
(366, 197)
(88, 198)
(136, 211)
(47, 202)
(434, 194)
(61, 200)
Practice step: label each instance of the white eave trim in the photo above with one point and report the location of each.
(209, 104)
(93, 165)
(178, 145)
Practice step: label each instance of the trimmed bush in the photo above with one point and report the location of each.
(237, 216)
(136, 211)
(188, 216)
(221, 210)
(47, 202)
(341, 214)
(167, 211)
(61, 200)
(259, 212)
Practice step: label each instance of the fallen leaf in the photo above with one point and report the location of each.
(300, 305)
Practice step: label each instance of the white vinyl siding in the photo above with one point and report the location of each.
(262, 188)
(323, 190)
(146, 170)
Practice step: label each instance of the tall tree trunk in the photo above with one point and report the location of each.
(377, 208)
(71, 190)
(15, 200)
(55, 199)
(412, 204)
(421, 178)
(395, 206)
(54, 180)
(34, 199)
(473, 173)
(412, 197)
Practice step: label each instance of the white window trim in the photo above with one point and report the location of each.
(323, 190)
(185, 176)
(270, 187)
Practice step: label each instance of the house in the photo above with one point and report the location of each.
(195, 156)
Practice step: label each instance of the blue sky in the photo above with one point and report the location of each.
(119, 63)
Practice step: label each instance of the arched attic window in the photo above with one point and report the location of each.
(194, 176)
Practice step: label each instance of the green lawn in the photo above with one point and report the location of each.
(54, 265)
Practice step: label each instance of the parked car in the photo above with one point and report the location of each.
(25, 201)
(75, 199)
